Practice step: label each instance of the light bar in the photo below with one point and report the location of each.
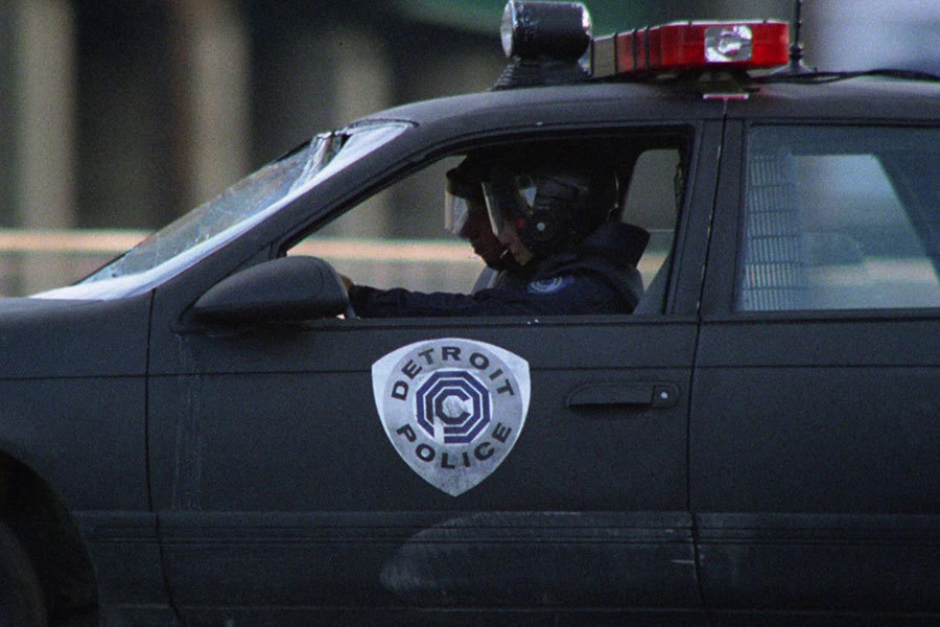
(693, 45)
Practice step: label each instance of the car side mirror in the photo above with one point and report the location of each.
(287, 289)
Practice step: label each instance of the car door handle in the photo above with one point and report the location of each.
(655, 394)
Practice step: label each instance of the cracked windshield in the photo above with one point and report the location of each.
(245, 204)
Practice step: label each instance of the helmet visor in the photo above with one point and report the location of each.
(456, 212)
(462, 193)
(509, 197)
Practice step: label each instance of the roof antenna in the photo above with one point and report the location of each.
(796, 48)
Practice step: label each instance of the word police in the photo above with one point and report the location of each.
(448, 355)
(481, 452)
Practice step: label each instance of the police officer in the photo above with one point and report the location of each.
(552, 215)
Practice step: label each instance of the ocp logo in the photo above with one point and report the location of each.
(458, 401)
(452, 408)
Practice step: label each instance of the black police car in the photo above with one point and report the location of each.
(201, 433)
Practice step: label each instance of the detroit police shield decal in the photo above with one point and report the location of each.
(452, 408)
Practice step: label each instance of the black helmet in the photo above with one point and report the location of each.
(553, 204)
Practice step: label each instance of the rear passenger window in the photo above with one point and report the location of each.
(840, 218)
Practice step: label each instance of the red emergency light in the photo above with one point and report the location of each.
(683, 46)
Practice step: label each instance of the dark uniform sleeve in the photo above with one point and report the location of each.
(571, 295)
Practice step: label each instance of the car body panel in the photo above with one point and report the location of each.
(813, 442)
(73, 410)
(321, 419)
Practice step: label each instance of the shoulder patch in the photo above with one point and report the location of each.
(549, 286)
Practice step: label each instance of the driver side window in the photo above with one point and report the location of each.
(396, 238)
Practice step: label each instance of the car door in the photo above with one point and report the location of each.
(814, 411)
(278, 487)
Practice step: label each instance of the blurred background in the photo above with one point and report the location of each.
(117, 116)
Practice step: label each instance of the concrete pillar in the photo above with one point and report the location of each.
(362, 84)
(213, 66)
(44, 139)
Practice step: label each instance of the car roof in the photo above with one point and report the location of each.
(859, 98)
(597, 103)
(582, 102)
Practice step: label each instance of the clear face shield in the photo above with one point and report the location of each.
(461, 199)
(456, 212)
(509, 198)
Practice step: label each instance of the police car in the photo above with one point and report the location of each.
(202, 433)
